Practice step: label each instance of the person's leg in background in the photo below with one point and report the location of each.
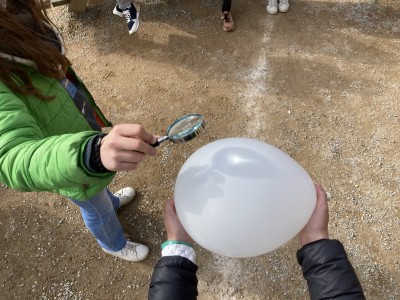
(226, 16)
(99, 215)
(129, 10)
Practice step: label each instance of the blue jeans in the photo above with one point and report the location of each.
(100, 218)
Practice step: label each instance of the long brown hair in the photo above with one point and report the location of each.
(24, 33)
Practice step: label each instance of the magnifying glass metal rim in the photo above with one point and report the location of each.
(185, 138)
(193, 132)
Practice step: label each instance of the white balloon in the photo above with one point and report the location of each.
(241, 197)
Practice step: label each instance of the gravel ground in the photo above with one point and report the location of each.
(320, 82)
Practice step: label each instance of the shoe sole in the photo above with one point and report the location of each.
(134, 29)
(272, 12)
(136, 260)
(283, 10)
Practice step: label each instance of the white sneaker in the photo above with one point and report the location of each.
(283, 5)
(134, 252)
(272, 7)
(125, 195)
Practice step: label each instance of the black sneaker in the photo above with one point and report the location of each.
(131, 15)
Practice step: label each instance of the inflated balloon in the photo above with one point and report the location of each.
(241, 197)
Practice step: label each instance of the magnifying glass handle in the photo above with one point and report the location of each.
(160, 140)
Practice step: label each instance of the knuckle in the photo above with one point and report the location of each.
(117, 128)
(140, 131)
(111, 144)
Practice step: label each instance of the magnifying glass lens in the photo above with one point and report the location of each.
(185, 126)
(183, 129)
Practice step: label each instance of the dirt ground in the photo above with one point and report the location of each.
(320, 82)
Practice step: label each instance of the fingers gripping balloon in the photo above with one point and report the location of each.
(240, 197)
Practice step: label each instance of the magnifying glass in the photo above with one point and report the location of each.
(183, 129)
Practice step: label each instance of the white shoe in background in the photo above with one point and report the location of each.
(283, 5)
(125, 195)
(272, 7)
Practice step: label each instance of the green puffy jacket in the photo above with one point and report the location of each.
(42, 142)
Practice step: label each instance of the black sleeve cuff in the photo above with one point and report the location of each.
(328, 271)
(91, 158)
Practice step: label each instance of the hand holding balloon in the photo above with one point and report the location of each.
(317, 227)
(175, 230)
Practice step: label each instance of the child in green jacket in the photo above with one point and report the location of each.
(50, 128)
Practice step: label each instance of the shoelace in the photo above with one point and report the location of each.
(127, 15)
(129, 246)
(272, 2)
(226, 18)
(285, 2)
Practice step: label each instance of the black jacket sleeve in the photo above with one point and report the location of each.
(328, 271)
(174, 278)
